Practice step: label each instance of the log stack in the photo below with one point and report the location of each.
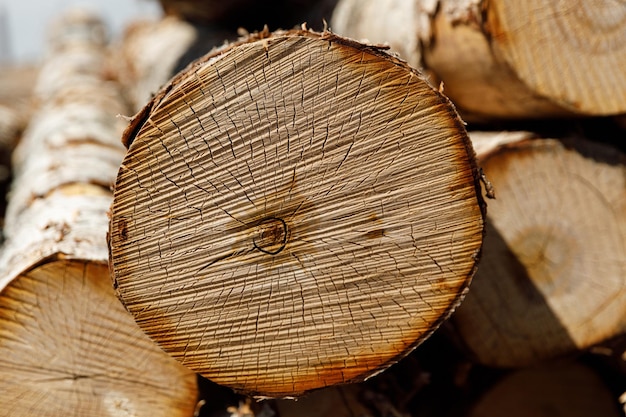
(297, 211)
(67, 346)
(505, 58)
(553, 276)
(551, 281)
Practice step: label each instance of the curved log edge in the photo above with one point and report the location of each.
(551, 282)
(268, 221)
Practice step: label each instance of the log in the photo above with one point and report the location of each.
(294, 211)
(551, 281)
(67, 346)
(562, 389)
(204, 10)
(505, 58)
(148, 55)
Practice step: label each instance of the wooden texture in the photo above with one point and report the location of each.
(67, 346)
(294, 211)
(551, 281)
(148, 54)
(506, 58)
(567, 389)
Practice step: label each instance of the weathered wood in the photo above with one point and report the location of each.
(294, 211)
(567, 389)
(67, 346)
(506, 58)
(16, 85)
(11, 125)
(551, 280)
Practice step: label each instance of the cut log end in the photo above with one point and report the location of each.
(43, 371)
(295, 211)
(545, 51)
(552, 279)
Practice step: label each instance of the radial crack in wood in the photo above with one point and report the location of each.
(294, 211)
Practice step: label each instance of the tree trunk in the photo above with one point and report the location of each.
(294, 211)
(67, 346)
(551, 281)
(506, 58)
(571, 390)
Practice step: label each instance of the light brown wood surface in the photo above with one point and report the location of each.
(552, 278)
(506, 58)
(67, 345)
(297, 210)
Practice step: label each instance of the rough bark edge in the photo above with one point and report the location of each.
(139, 119)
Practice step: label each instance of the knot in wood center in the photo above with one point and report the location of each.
(270, 235)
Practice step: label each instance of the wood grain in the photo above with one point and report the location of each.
(505, 59)
(67, 345)
(294, 211)
(551, 281)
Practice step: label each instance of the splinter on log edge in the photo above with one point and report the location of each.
(295, 210)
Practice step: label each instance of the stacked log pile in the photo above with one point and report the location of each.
(552, 281)
(67, 346)
(504, 58)
(296, 213)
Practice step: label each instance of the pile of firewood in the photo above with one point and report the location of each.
(418, 208)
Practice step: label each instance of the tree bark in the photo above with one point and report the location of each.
(294, 211)
(551, 281)
(67, 346)
(148, 55)
(505, 58)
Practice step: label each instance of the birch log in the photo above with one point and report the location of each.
(67, 346)
(294, 211)
(148, 55)
(506, 58)
(552, 280)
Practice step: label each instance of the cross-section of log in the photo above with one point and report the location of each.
(67, 345)
(552, 280)
(294, 211)
(506, 58)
